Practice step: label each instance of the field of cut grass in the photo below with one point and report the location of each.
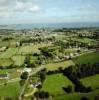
(92, 81)
(18, 60)
(55, 66)
(5, 62)
(87, 58)
(9, 53)
(54, 84)
(10, 89)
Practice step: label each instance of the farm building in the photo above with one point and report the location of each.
(4, 76)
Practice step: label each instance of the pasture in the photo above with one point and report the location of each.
(9, 53)
(10, 89)
(18, 60)
(55, 66)
(54, 84)
(87, 58)
(92, 81)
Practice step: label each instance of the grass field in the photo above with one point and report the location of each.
(55, 66)
(12, 72)
(87, 58)
(92, 81)
(5, 62)
(77, 96)
(9, 53)
(31, 48)
(54, 84)
(10, 89)
(18, 60)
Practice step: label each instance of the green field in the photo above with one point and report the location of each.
(5, 62)
(92, 81)
(9, 53)
(31, 48)
(54, 84)
(10, 89)
(87, 58)
(18, 60)
(55, 66)
(12, 72)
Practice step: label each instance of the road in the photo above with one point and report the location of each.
(26, 82)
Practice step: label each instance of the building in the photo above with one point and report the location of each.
(4, 76)
(3, 49)
(29, 70)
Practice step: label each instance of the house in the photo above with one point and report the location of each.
(4, 76)
(27, 70)
(3, 49)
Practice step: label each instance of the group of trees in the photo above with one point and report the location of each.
(42, 75)
(84, 70)
(79, 87)
(74, 73)
(41, 95)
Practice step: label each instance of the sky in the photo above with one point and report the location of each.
(48, 11)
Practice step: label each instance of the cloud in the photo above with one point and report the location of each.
(88, 7)
(7, 7)
(35, 8)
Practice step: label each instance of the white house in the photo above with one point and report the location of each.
(29, 70)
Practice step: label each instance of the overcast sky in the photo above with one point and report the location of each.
(48, 11)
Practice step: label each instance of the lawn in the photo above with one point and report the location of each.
(55, 66)
(87, 58)
(54, 84)
(18, 60)
(9, 53)
(10, 89)
(92, 81)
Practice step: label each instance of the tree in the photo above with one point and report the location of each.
(24, 75)
(43, 75)
(21, 82)
(69, 88)
(84, 98)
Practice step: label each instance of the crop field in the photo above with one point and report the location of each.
(87, 58)
(54, 84)
(55, 66)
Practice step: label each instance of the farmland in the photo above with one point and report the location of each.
(10, 89)
(55, 66)
(57, 82)
(48, 57)
(87, 58)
